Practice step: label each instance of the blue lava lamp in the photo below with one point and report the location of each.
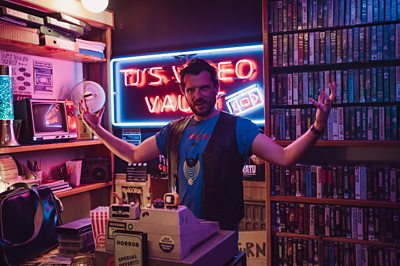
(7, 137)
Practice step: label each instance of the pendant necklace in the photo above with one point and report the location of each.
(191, 166)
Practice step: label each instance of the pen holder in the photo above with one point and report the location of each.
(74, 169)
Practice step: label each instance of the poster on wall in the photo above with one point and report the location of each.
(22, 78)
(146, 90)
(43, 73)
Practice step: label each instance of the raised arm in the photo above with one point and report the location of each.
(269, 150)
(146, 150)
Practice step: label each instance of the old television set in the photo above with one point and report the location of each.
(45, 120)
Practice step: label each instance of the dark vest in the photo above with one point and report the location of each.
(222, 196)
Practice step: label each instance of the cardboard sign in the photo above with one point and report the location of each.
(253, 243)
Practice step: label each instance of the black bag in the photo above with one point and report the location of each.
(28, 220)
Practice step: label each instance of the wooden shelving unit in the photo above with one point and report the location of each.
(27, 48)
(93, 68)
(339, 239)
(83, 189)
(346, 202)
(280, 65)
(349, 143)
(50, 146)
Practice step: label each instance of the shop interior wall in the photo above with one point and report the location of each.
(145, 27)
(159, 25)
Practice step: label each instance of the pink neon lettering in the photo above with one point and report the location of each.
(224, 70)
(152, 104)
(170, 103)
(240, 67)
(155, 72)
(176, 74)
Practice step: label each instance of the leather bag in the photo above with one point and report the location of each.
(29, 216)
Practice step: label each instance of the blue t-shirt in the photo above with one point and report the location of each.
(192, 145)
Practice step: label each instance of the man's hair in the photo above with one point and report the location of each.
(194, 67)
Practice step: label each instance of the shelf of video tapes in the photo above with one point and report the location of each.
(50, 34)
(297, 251)
(326, 211)
(354, 43)
(376, 185)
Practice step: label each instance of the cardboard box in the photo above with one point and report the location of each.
(172, 234)
(217, 250)
(253, 243)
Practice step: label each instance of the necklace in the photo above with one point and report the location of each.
(191, 169)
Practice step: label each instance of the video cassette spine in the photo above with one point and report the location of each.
(65, 26)
(70, 19)
(21, 16)
(59, 43)
(56, 33)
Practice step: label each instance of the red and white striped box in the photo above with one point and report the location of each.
(99, 217)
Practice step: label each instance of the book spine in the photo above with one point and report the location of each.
(311, 48)
(395, 123)
(379, 41)
(392, 84)
(397, 83)
(289, 8)
(319, 181)
(280, 50)
(322, 47)
(284, 16)
(285, 50)
(274, 51)
(301, 49)
(386, 85)
(385, 43)
(296, 49)
(379, 85)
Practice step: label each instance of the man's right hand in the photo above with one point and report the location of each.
(92, 121)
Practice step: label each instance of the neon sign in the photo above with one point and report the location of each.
(146, 89)
(245, 100)
(157, 76)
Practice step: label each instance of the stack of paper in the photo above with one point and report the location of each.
(91, 47)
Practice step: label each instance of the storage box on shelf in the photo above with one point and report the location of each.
(341, 204)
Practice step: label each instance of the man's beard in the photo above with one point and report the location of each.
(206, 112)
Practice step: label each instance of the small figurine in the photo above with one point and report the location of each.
(171, 200)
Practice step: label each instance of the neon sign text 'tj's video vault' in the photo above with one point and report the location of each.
(146, 92)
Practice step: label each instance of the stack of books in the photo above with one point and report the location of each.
(56, 185)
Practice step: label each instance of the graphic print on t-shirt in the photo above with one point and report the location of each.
(191, 169)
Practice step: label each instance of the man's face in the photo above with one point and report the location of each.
(200, 93)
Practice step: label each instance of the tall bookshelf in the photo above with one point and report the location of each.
(341, 202)
(95, 68)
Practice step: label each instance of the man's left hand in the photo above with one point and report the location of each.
(323, 106)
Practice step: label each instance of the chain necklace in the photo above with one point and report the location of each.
(191, 166)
